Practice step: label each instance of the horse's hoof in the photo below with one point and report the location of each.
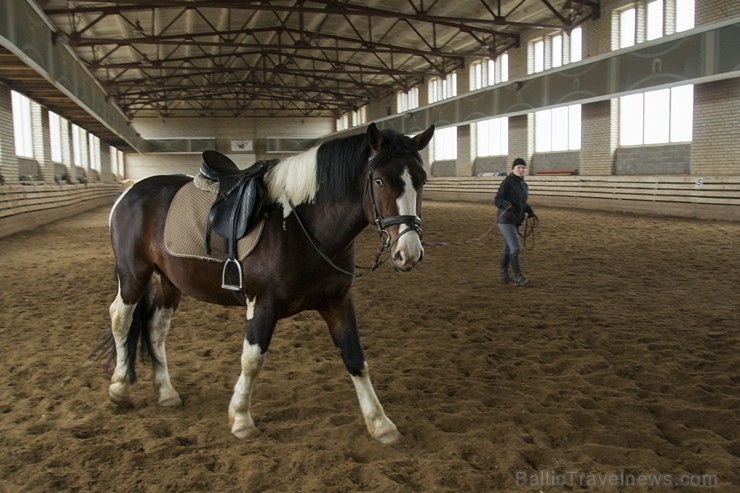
(173, 401)
(389, 437)
(119, 400)
(246, 433)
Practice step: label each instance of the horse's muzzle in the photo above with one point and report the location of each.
(408, 254)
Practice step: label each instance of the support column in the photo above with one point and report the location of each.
(464, 163)
(8, 159)
(716, 136)
(598, 137)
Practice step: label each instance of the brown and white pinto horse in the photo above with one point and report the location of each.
(335, 189)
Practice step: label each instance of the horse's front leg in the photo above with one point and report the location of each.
(342, 322)
(260, 326)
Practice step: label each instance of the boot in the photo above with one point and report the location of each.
(503, 276)
(519, 278)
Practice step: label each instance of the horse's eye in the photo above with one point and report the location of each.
(379, 182)
(424, 182)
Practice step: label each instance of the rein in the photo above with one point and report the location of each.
(367, 270)
(451, 243)
(529, 226)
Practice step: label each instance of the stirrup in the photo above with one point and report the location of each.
(224, 284)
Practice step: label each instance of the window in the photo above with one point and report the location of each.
(55, 135)
(440, 89)
(356, 117)
(114, 161)
(359, 116)
(654, 19)
(684, 15)
(343, 122)
(648, 21)
(558, 129)
(503, 68)
(476, 75)
(22, 128)
(492, 137)
(94, 152)
(484, 73)
(557, 50)
(538, 57)
(627, 28)
(79, 137)
(657, 117)
(407, 100)
(576, 45)
(444, 144)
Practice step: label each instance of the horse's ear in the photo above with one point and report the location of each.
(423, 139)
(374, 138)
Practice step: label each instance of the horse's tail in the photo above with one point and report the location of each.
(139, 330)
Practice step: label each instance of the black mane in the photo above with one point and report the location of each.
(341, 161)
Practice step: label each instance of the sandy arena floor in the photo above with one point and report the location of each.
(617, 365)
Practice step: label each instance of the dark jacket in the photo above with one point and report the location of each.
(512, 193)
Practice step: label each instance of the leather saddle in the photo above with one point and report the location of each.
(239, 204)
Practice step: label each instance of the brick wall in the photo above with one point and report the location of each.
(708, 11)
(716, 141)
(653, 160)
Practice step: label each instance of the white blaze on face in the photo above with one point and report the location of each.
(409, 243)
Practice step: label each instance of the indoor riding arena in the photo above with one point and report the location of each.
(614, 369)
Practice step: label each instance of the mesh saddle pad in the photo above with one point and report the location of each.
(184, 230)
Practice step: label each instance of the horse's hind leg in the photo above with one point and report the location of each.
(340, 317)
(121, 315)
(166, 298)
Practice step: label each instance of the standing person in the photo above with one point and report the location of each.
(511, 200)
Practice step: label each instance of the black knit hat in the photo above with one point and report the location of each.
(519, 162)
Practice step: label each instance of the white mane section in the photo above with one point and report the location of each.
(293, 179)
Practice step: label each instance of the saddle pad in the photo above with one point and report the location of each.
(184, 229)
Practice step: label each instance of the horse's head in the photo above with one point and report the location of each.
(395, 180)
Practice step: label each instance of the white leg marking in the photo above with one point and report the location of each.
(240, 418)
(250, 307)
(380, 427)
(159, 327)
(121, 315)
(409, 245)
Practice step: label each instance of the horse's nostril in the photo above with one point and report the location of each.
(400, 258)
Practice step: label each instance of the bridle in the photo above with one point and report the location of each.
(413, 223)
(381, 223)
